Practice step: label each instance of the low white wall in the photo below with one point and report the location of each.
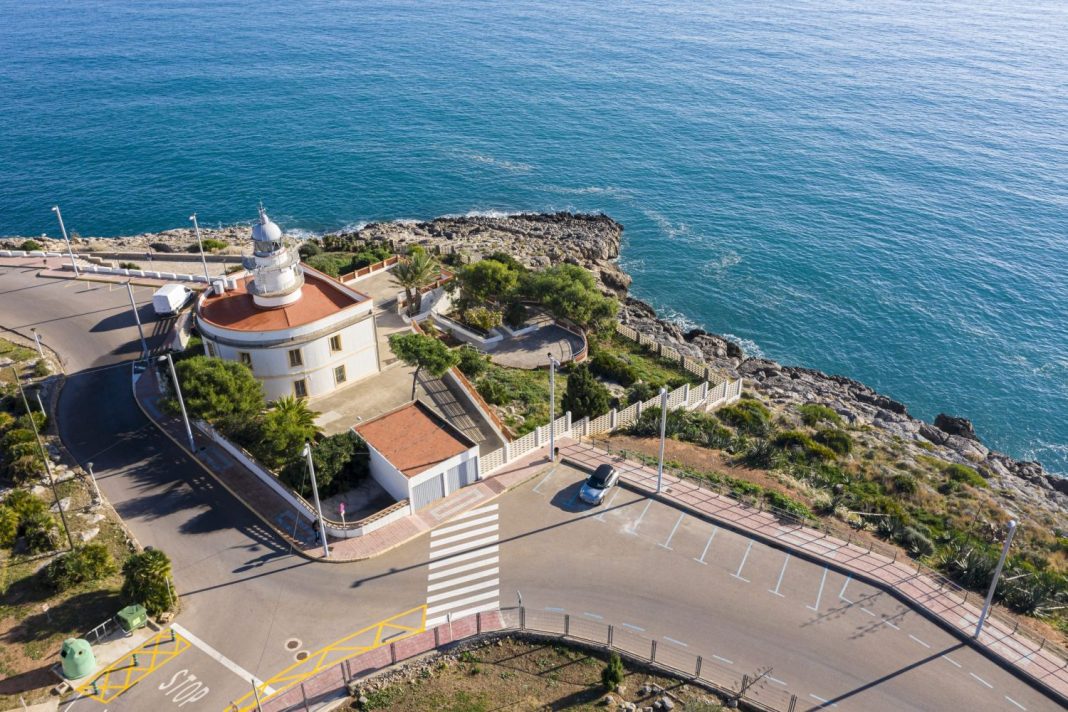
(464, 334)
(385, 474)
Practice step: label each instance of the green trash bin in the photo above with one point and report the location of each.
(133, 617)
(77, 658)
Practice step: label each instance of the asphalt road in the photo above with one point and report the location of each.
(635, 563)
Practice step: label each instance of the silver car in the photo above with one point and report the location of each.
(597, 485)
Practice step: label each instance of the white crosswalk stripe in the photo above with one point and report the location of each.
(463, 575)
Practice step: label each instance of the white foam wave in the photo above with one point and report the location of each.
(299, 233)
(510, 166)
(590, 190)
(681, 231)
(748, 346)
(722, 263)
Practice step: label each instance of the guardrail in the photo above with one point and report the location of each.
(362, 272)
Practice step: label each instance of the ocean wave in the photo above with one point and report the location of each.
(299, 233)
(721, 264)
(591, 190)
(748, 346)
(482, 214)
(510, 166)
(681, 231)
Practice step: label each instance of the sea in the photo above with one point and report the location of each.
(877, 189)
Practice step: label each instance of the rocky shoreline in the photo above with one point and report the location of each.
(593, 241)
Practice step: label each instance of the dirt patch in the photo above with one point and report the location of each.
(519, 675)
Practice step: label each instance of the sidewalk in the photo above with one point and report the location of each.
(297, 531)
(937, 599)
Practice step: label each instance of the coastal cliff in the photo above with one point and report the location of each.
(593, 241)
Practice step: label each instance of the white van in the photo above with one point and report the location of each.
(170, 298)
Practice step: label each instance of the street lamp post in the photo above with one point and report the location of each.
(92, 476)
(40, 404)
(553, 365)
(37, 340)
(181, 401)
(315, 494)
(663, 431)
(137, 318)
(200, 244)
(994, 581)
(63, 229)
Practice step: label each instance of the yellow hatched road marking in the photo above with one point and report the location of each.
(134, 667)
(332, 654)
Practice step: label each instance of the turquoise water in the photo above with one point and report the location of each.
(877, 189)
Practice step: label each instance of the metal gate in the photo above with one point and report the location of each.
(426, 492)
(462, 475)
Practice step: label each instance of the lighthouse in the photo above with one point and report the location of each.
(277, 278)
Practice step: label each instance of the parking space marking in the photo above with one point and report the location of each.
(867, 611)
(981, 680)
(885, 620)
(919, 641)
(593, 615)
(781, 574)
(819, 595)
(553, 609)
(707, 545)
(950, 660)
(1015, 702)
(738, 574)
(777, 681)
(600, 517)
(633, 528)
(723, 660)
(537, 487)
(634, 627)
(841, 594)
(676, 642)
(667, 544)
(823, 702)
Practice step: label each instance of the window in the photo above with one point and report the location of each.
(335, 343)
(339, 374)
(211, 349)
(295, 359)
(300, 388)
(245, 357)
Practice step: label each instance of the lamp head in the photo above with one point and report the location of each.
(55, 208)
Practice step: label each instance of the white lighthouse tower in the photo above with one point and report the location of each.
(277, 277)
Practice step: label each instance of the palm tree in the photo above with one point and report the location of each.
(415, 272)
(286, 427)
(296, 412)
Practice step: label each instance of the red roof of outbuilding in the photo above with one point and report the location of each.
(413, 438)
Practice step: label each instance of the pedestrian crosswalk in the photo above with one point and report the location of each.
(464, 570)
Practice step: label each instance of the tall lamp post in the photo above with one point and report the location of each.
(200, 244)
(92, 476)
(663, 431)
(137, 318)
(37, 340)
(63, 229)
(553, 365)
(315, 493)
(181, 401)
(994, 581)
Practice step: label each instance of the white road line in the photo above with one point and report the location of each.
(723, 660)
(919, 641)
(667, 544)
(777, 681)
(465, 567)
(554, 609)
(484, 551)
(867, 611)
(981, 680)
(633, 529)
(463, 602)
(464, 535)
(820, 594)
(1015, 702)
(781, 574)
(738, 574)
(823, 702)
(221, 659)
(593, 615)
(600, 517)
(475, 512)
(707, 545)
(464, 590)
(464, 525)
(634, 627)
(550, 473)
(676, 642)
(950, 660)
(438, 620)
(463, 579)
(891, 624)
(471, 545)
(841, 594)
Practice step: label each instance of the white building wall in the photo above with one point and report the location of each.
(444, 466)
(385, 474)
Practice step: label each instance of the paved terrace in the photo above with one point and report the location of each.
(926, 592)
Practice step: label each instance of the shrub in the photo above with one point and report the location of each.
(918, 544)
(24, 504)
(904, 484)
(965, 475)
(6, 420)
(746, 416)
(494, 391)
(39, 530)
(482, 318)
(39, 419)
(219, 390)
(837, 440)
(613, 673)
(307, 249)
(41, 368)
(325, 263)
(800, 446)
(641, 392)
(161, 247)
(584, 395)
(473, 363)
(31, 246)
(515, 315)
(210, 245)
(9, 526)
(814, 413)
(613, 368)
(341, 462)
(17, 435)
(91, 562)
(146, 581)
(129, 265)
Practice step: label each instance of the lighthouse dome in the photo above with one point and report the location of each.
(265, 230)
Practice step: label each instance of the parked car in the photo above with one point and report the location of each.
(170, 298)
(597, 485)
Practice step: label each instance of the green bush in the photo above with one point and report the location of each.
(747, 416)
(837, 440)
(494, 391)
(210, 245)
(39, 530)
(584, 395)
(917, 543)
(41, 368)
(129, 265)
(91, 562)
(24, 503)
(307, 249)
(341, 463)
(904, 484)
(18, 435)
(613, 368)
(39, 419)
(814, 413)
(473, 363)
(31, 246)
(9, 526)
(326, 263)
(965, 475)
(612, 675)
(160, 247)
(482, 318)
(146, 581)
(801, 447)
(515, 315)
(641, 392)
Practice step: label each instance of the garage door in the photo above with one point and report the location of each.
(426, 492)
(462, 475)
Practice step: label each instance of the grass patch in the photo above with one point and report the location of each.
(632, 362)
(522, 396)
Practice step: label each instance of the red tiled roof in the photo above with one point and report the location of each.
(413, 438)
(235, 309)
